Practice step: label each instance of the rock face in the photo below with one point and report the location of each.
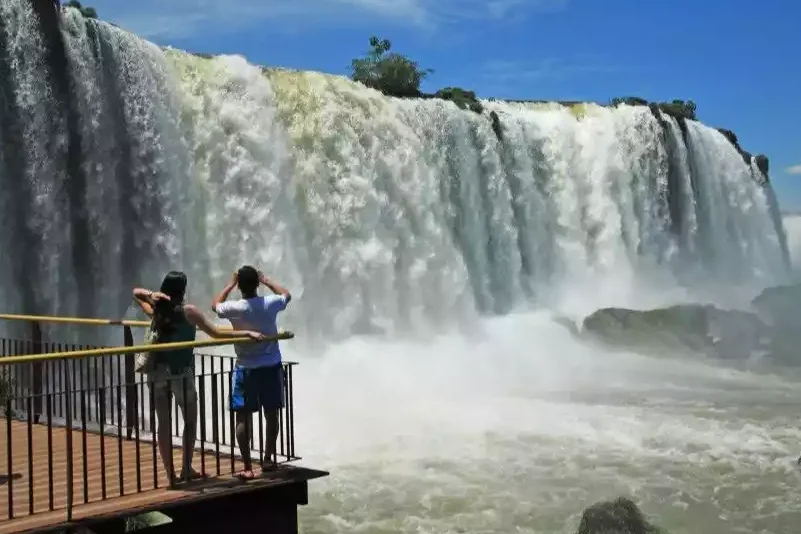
(761, 161)
(47, 11)
(621, 516)
(771, 329)
(685, 110)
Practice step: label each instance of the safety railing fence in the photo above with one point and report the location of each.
(122, 406)
(97, 418)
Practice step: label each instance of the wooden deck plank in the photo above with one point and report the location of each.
(89, 499)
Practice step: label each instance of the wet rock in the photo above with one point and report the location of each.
(621, 516)
(48, 13)
(731, 136)
(683, 327)
(770, 329)
(496, 125)
(629, 101)
(762, 163)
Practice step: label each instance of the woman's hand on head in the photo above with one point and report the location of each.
(156, 296)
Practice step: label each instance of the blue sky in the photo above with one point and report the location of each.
(732, 57)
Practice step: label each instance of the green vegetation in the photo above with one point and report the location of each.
(145, 521)
(628, 100)
(461, 97)
(87, 12)
(396, 75)
(678, 109)
(391, 73)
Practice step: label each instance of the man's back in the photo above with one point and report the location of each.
(260, 314)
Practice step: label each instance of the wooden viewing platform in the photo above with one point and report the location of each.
(77, 448)
(92, 506)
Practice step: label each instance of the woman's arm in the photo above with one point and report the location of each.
(147, 299)
(196, 317)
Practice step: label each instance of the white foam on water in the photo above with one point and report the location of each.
(520, 427)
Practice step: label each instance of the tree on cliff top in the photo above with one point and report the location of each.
(391, 73)
(87, 12)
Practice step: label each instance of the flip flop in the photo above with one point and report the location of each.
(245, 475)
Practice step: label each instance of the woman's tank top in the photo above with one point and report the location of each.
(181, 360)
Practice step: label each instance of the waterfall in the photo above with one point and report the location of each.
(126, 160)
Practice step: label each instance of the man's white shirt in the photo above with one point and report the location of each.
(258, 314)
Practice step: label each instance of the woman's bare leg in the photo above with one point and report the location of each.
(163, 431)
(189, 411)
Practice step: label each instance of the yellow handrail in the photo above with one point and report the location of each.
(159, 347)
(82, 320)
(73, 320)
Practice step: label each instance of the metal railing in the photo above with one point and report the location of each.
(79, 423)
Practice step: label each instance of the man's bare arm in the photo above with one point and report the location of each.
(222, 296)
(275, 287)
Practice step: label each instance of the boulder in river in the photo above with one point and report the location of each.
(771, 327)
(621, 516)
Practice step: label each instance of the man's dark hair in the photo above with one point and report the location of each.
(248, 280)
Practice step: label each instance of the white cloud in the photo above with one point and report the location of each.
(160, 19)
(795, 169)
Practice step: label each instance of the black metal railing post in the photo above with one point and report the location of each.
(131, 394)
(69, 454)
(36, 386)
(63, 397)
(9, 459)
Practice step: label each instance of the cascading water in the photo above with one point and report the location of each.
(792, 224)
(412, 221)
(354, 199)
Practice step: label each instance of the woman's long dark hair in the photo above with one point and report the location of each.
(166, 314)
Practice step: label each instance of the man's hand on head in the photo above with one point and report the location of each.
(274, 287)
(223, 295)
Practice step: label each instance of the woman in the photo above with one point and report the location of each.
(173, 371)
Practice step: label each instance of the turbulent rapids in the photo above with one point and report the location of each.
(428, 254)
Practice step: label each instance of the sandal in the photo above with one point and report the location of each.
(245, 475)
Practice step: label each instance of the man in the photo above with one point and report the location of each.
(258, 379)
